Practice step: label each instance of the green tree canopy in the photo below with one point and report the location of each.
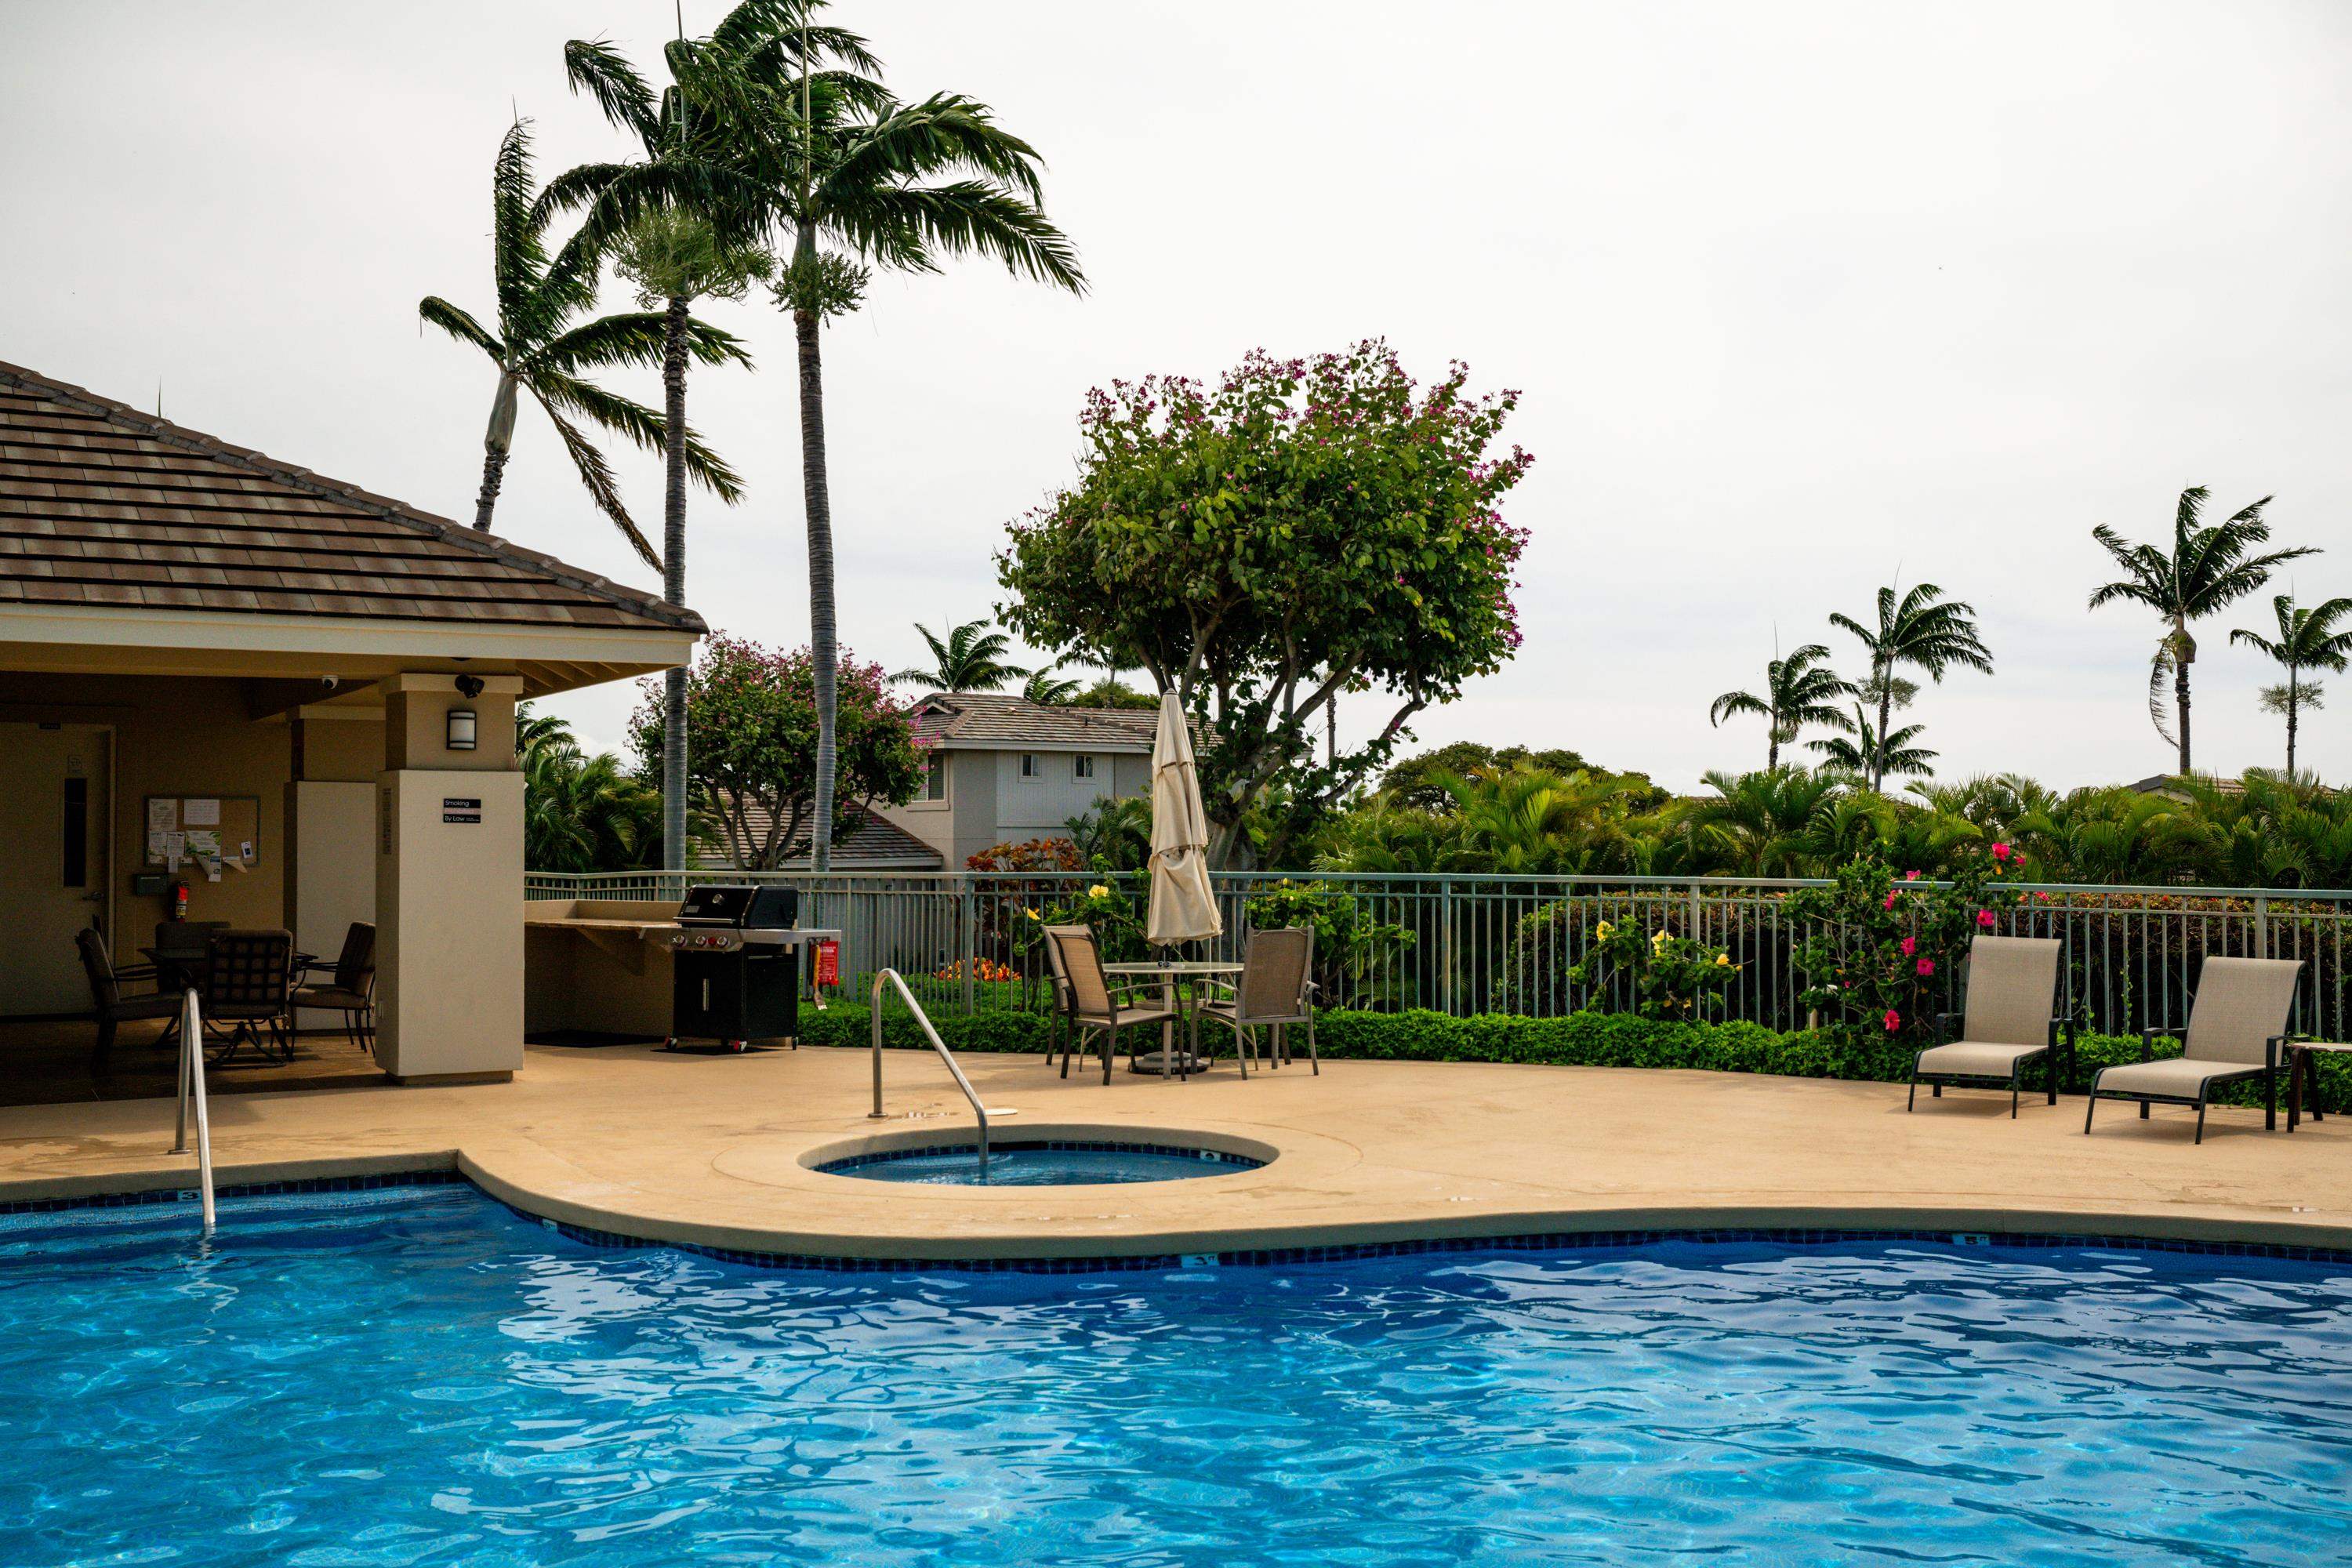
(752, 741)
(1416, 780)
(1300, 529)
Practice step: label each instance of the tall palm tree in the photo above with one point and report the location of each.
(1924, 631)
(1800, 689)
(2207, 569)
(1048, 688)
(856, 180)
(971, 658)
(2307, 639)
(538, 349)
(1874, 754)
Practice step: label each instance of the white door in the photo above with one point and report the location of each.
(53, 862)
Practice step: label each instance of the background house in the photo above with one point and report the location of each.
(1004, 770)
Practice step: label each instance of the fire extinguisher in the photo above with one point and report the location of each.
(179, 900)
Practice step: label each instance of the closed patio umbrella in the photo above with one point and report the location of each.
(1183, 909)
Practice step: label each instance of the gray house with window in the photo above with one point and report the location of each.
(1004, 770)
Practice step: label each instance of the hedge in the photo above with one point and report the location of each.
(1577, 1039)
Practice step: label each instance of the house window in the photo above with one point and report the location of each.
(1031, 765)
(1081, 767)
(935, 778)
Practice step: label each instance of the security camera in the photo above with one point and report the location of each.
(469, 686)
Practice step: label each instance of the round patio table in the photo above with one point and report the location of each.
(1180, 991)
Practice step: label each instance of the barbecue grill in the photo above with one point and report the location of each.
(735, 958)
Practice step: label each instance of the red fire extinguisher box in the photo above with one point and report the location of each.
(828, 964)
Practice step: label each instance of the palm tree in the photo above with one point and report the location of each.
(1800, 689)
(2307, 639)
(1048, 690)
(1924, 631)
(537, 349)
(1758, 821)
(1871, 756)
(971, 659)
(858, 180)
(2207, 568)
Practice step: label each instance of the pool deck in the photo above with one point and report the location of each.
(711, 1151)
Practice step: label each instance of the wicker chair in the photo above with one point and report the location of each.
(111, 1003)
(247, 982)
(350, 986)
(1274, 992)
(1095, 1004)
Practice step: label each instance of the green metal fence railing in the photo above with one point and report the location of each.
(966, 942)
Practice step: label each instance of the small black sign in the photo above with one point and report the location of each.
(456, 808)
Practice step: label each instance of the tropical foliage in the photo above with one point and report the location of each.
(2307, 639)
(1300, 529)
(1800, 692)
(970, 657)
(751, 739)
(1919, 630)
(1656, 975)
(582, 813)
(1880, 951)
(2206, 569)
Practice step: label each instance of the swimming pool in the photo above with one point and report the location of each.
(421, 1377)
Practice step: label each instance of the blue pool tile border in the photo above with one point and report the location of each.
(1056, 1145)
(1542, 1241)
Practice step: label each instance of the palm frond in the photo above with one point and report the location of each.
(640, 425)
(597, 475)
(596, 67)
(437, 311)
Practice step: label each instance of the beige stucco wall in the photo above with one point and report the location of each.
(582, 979)
(449, 922)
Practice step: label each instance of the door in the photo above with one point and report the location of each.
(54, 816)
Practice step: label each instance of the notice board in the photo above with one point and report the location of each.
(201, 830)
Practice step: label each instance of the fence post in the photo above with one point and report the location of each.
(2262, 925)
(967, 910)
(1445, 947)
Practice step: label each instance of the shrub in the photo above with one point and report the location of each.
(1354, 955)
(1666, 976)
(1880, 953)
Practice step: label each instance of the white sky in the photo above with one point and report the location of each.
(1800, 296)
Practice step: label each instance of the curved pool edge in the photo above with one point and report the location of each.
(1623, 1225)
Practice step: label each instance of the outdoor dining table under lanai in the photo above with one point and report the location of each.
(1179, 990)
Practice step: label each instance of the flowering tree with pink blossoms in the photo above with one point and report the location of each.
(1301, 529)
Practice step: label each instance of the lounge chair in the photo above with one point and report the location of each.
(348, 985)
(2237, 1025)
(111, 1003)
(2011, 1019)
(1274, 992)
(1095, 1005)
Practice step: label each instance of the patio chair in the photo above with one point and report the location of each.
(1095, 1005)
(1057, 1021)
(180, 951)
(2011, 1019)
(248, 978)
(348, 987)
(2237, 1024)
(110, 1001)
(1274, 992)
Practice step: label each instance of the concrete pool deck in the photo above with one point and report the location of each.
(711, 1150)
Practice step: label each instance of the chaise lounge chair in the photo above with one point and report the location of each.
(2237, 1025)
(2011, 1018)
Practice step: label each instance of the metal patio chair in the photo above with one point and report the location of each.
(248, 977)
(1095, 1005)
(1274, 992)
(349, 986)
(111, 1003)
(2011, 1018)
(2237, 1027)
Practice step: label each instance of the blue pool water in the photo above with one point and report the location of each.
(1042, 1165)
(421, 1377)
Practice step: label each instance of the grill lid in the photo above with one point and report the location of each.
(739, 908)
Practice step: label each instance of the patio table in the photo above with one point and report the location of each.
(2302, 1062)
(1179, 990)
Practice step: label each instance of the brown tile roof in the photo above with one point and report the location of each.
(985, 721)
(100, 504)
(870, 844)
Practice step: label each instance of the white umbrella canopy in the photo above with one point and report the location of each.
(1183, 908)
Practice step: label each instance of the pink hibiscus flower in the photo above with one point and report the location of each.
(1910, 945)
(1926, 966)
(1893, 1020)
(1984, 919)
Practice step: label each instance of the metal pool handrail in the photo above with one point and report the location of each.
(979, 1112)
(192, 1087)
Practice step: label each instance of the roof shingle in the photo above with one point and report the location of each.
(100, 504)
(986, 720)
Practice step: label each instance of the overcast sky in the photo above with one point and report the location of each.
(1802, 299)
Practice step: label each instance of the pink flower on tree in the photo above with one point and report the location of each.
(1910, 945)
(1893, 1020)
(1926, 966)
(2001, 852)
(1984, 919)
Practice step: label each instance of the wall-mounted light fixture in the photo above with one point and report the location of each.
(461, 729)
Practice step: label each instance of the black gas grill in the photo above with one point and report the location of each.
(735, 962)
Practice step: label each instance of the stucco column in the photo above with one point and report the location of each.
(450, 976)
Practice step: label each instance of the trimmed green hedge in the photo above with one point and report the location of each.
(1578, 1039)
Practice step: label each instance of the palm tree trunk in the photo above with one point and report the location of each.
(497, 442)
(673, 759)
(818, 503)
(1772, 754)
(1886, 718)
(2180, 707)
(2293, 700)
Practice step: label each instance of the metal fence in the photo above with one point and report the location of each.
(969, 942)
